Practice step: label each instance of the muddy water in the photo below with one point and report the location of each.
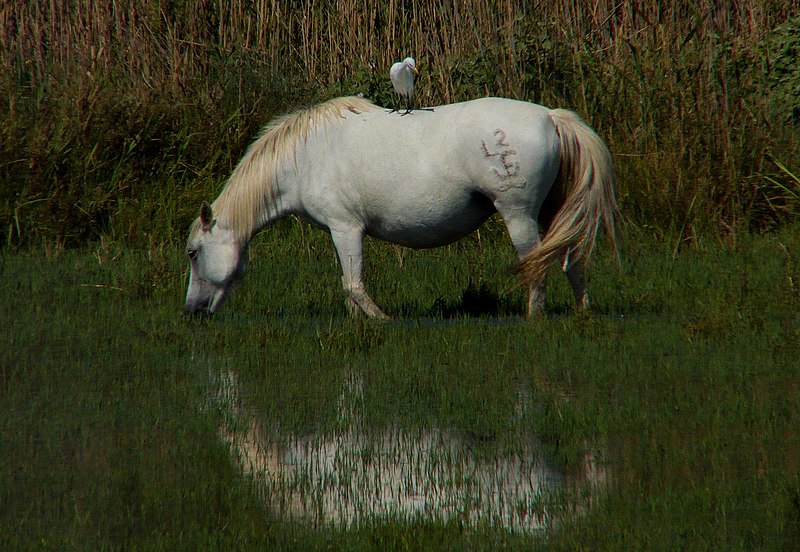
(356, 475)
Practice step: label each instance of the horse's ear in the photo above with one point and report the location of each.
(206, 215)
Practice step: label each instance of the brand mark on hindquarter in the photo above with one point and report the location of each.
(503, 151)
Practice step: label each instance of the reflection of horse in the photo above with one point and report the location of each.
(420, 181)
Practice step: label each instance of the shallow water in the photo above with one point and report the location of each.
(357, 475)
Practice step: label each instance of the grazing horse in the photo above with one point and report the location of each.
(421, 181)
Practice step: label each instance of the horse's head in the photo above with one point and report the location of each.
(217, 261)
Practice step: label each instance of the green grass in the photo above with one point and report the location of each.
(684, 375)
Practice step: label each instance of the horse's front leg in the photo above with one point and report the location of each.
(349, 247)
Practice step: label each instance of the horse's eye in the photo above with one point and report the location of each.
(192, 253)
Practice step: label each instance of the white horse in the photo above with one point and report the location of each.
(420, 181)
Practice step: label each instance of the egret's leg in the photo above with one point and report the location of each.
(524, 233)
(396, 103)
(576, 279)
(409, 105)
(349, 247)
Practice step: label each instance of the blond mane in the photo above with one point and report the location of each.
(244, 199)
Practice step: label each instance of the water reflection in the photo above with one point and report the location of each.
(355, 475)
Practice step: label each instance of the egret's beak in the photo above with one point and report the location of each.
(415, 71)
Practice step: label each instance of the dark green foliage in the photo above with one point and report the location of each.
(782, 49)
(117, 119)
(125, 163)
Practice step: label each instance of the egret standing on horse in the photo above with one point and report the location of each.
(402, 75)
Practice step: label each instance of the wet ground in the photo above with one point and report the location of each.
(357, 475)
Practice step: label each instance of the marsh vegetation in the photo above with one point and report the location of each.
(682, 382)
(128, 425)
(119, 118)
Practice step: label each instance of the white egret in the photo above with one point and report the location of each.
(402, 75)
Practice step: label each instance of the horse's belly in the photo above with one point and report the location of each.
(424, 225)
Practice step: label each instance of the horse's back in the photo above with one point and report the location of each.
(430, 177)
(486, 142)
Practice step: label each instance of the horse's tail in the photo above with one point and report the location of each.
(578, 212)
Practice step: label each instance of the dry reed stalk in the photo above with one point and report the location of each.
(328, 41)
(673, 86)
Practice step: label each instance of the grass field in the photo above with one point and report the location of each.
(665, 418)
(682, 383)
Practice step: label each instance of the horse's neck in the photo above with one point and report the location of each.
(279, 203)
(248, 206)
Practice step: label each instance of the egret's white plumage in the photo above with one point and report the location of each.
(402, 75)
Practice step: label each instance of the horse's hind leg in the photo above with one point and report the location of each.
(524, 234)
(349, 247)
(576, 279)
(536, 298)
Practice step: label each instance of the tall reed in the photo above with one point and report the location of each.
(117, 116)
